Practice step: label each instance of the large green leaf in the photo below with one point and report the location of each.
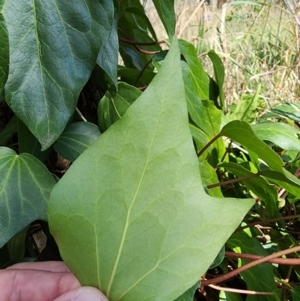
(75, 139)
(147, 227)
(114, 104)
(280, 134)
(4, 49)
(108, 56)
(166, 12)
(53, 49)
(189, 294)
(25, 186)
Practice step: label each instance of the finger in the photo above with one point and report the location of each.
(51, 266)
(35, 285)
(85, 293)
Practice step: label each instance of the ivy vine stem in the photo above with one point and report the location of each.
(247, 266)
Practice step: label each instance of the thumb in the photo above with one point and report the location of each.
(85, 293)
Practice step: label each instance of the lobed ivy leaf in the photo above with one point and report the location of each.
(75, 139)
(166, 12)
(25, 186)
(4, 48)
(280, 134)
(134, 201)
(53, 49)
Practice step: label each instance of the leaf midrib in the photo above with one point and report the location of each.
(129, 212)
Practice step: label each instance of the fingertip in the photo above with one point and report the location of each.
(85, 293)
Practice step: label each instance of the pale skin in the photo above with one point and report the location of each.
(44, 281)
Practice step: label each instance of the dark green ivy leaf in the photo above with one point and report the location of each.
(53, 49)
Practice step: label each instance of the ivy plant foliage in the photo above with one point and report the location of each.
(144, 202)
(25, 186)
(4, 50)
(53, 48)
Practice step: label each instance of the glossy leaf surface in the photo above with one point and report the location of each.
(144, 202)
(4, 48)
(48, 68)
(75, 139)
(25, 186)
(108, 56)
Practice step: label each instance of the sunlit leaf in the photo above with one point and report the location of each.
(242, 133)
(141, 197)
(246, 108)
(280, 134)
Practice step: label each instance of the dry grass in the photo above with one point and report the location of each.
(259, 45)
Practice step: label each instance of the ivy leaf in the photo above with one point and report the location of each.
(25, 186)
(75, 139)
(4, 49)
(48, 67)
(114, 104)
(143, 217)
(166, 12)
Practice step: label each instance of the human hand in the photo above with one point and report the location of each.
(44, 281)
